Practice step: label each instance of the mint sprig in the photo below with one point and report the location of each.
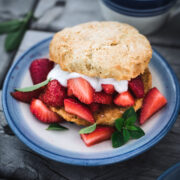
(129, 113)
(56, 127)
(117, 139)
(34, 87)
(10, 26)
(14, 37)
(125, 129)
(15, 30)
(119, 123)
(88, 129)
(136, 134)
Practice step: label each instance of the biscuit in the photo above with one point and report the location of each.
(101, 49)
(107, 114)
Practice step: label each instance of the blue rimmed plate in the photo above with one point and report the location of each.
(173, 173)
(67, 146)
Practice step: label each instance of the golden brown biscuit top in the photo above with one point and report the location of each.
(102, 49)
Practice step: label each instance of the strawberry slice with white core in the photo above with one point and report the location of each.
(81, 89)
(69, 92)
(78, 109)
(152, 102)
(100, 134)
(108, 88)
(43, 113)
(124, 99)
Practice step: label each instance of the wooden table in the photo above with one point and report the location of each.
(19, 162)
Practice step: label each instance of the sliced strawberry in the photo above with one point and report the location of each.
(108, 88)
(94, 107)
(81, 89)
(74, 107)
(54, 94)
(137, 87)
(26, 96)
(102, 98)
(124, 99)
(39, 69)
(69, 92)
(42, 113)
(152, 102)
(101, 133)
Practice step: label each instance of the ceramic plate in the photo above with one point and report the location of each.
(173, 173)
(67, 146)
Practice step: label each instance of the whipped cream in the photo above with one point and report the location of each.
(62, 76)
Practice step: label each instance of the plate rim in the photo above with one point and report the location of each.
(83, 161)
(168, 171)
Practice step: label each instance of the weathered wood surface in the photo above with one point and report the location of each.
(17, 161)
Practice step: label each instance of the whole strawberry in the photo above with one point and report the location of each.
(137, 87)
(54, 94)
(27, 96)
(39, 69)
(102, 98)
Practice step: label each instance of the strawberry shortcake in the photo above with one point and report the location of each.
(97, 76)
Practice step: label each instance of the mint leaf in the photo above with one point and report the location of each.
(126, 135)
(128, 113)
(126, 128)
(88, 129)
(10, 26)
(132, 128)
(117, 139)
(34, 87)
(13, 39)
(28, 16)
(136, 134)
(119, 123)
(131, 120)
(56, 127)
